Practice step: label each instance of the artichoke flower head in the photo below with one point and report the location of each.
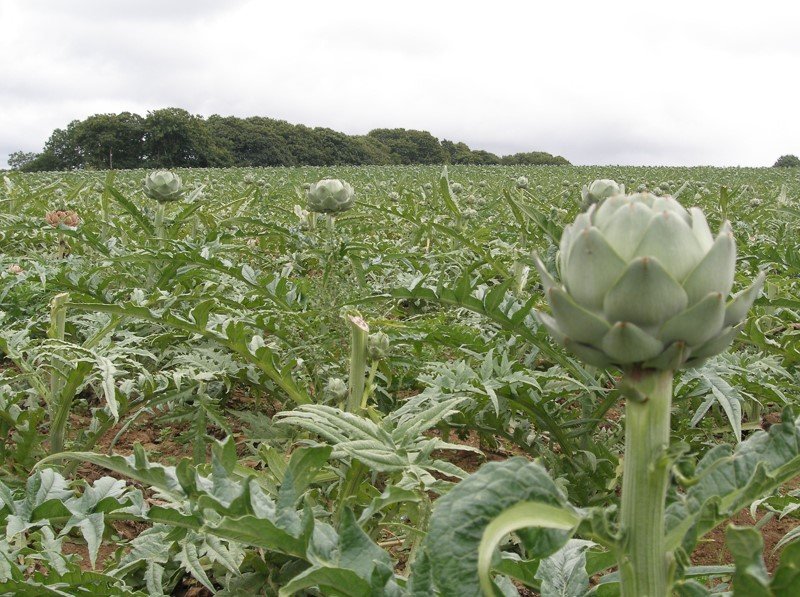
(330, 196)
(599, 190)
(163, 186)
(645, 284)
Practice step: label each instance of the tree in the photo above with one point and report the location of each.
(111, 141)
(410, 146)
(534, 158)
(18, 160)
(787, 161)
(173, 137)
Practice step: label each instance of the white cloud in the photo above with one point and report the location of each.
(616, 82)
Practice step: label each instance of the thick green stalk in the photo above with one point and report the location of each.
(58, 418)
(158, 224)
(644, 563)
(359, 333)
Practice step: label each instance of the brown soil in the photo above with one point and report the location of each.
(711, 551)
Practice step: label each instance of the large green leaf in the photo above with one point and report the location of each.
(515, 493)
(727, 480)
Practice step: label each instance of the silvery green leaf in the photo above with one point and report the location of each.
(563, 574)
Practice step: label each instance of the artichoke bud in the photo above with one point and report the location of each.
(163, 186)
(335, 390)
(599, 190)
(644, 284)
(62, 217)
(377, 346)
(330, 196)
(522, 182)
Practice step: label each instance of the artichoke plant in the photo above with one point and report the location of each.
(330, 196)
(645, 285)
(645, 288)
(163, 186)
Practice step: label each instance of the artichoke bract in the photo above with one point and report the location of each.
(330, 196)
(163, 186)
(645, 285)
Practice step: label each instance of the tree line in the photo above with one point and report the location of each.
(172, 137)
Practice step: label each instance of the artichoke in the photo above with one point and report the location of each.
(599, 190)
(62, 217)
(377, 346)
(645, 285)
(330, 196)
(163, 186)
(335, 390)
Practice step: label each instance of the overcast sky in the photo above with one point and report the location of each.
(615, 82)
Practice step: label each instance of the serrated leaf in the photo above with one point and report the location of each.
(563, 574)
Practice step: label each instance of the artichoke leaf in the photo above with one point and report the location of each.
(742, 301)
(591, 268)
(627, 343)
(575, 321)
(670, 239)
(698, 324)
(715, 272)
(719, 343)
(671, 359)
(626, 230)
(645, 294)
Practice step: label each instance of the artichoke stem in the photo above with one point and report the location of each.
(643, 562)
(358, 367)
(59, 405)
(159, 221)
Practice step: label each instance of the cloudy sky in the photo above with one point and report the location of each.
(617, 82)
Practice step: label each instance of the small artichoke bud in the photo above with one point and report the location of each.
(456, 188)
(163, 186)
(522, 182)
(599, 190)
(469, 214)
(335, 390)
(394, 196)
(330, 196)
(249, 178)
(377, 346)
(62, 217)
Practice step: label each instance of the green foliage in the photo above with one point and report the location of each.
(19, 160)
(787, 161)
(534, 158)
(172, 137)
(221, 316)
